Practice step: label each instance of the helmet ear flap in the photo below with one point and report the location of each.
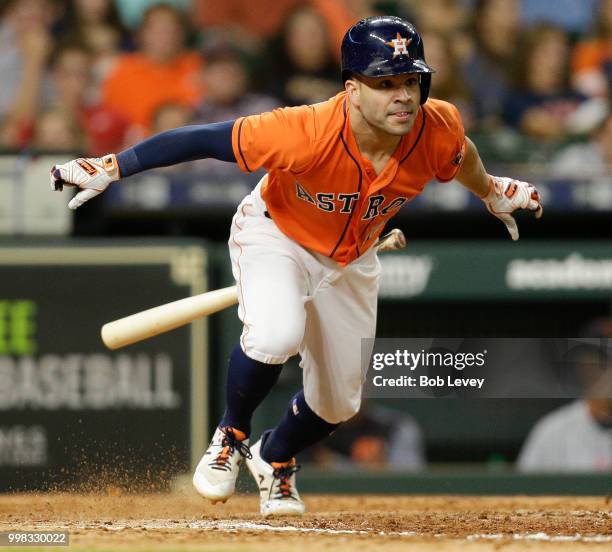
(425, 85)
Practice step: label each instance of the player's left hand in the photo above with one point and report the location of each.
(506, 195)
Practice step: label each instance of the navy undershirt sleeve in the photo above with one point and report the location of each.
(177, 146)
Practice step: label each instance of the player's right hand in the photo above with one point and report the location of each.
(91, 175)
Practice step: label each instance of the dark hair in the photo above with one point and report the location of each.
(112, 16)
(68, 45)
(222, 52)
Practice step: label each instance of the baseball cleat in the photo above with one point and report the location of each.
(278, 495)
(216, 474)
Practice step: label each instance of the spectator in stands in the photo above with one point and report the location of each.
(56, 130)
(577, 436)
(447, 84)
(543, 106)
(592, 58)
(68, 93)
(589, 159)
(162, 70)
(25, 43)
(376, 438)
(96, 24)
(227, 86)
(227, 97)
(571, 15)
(71, 87)
(300, 67)
(490, 70)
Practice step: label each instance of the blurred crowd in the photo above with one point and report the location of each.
(94, 76)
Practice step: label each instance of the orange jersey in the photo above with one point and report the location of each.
(320, 190)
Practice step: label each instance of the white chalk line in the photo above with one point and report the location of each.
(234, 526)
(543, 537)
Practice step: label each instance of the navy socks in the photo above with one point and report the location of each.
(248, 383)
(299, 428)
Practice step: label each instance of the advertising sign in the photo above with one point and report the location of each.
(73, 412)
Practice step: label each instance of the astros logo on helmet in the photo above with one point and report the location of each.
(400, 45)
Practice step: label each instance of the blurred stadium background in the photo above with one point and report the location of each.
(532, 79)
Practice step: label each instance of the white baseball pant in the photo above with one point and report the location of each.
(294, 300)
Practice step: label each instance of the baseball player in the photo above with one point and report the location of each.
(301, 242)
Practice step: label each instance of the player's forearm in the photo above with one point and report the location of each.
(472, 173)
(177, 146)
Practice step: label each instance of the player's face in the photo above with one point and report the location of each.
(390, 103)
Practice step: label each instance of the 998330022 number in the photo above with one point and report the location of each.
(34, 538)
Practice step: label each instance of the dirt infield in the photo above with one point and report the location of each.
(183, 521)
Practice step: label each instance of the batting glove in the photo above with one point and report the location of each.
(91, 176)
(506, 196)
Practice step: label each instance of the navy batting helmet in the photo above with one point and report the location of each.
(384, 45)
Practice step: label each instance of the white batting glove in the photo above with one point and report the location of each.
(506, 195)
(90, 175)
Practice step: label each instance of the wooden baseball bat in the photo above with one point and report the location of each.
(161, 319)
(157, 320)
